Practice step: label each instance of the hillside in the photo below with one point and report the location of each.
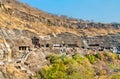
(21, 16)
(29, 38)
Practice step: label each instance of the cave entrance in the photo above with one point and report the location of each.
(24, 47)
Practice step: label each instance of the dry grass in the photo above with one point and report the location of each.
(12, 21)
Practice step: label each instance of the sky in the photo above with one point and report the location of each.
(105, 11)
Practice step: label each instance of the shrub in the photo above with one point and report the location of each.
(52, 58)
(112, 65)
(91, 58)
(80, 59)
(107, 54)
(103, 72)
(115, 76)
(114, 56)
(99, 56)
(54, 71)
